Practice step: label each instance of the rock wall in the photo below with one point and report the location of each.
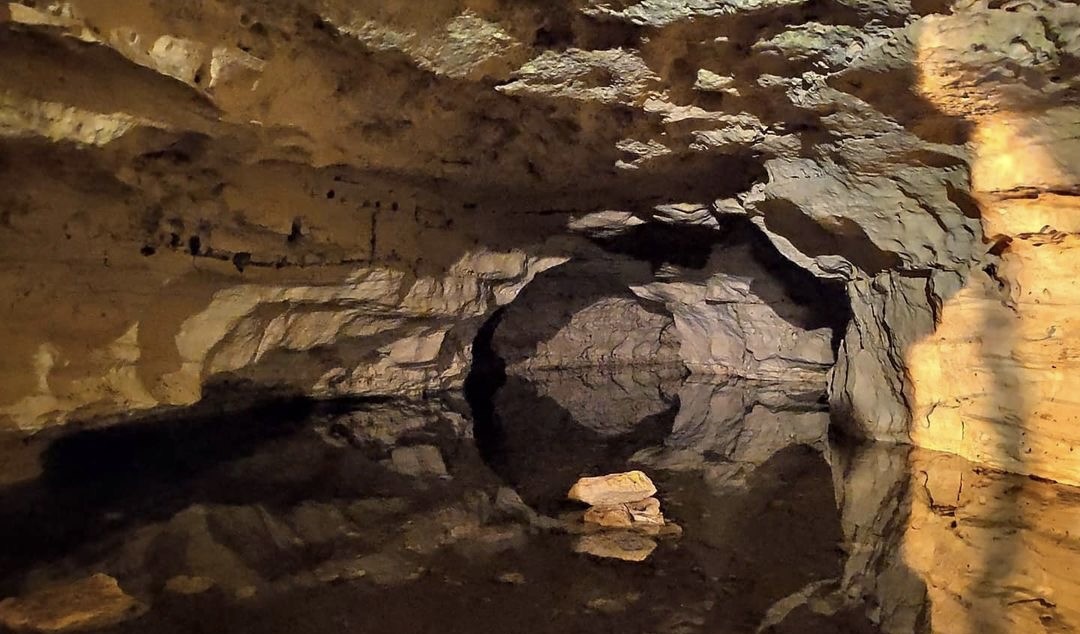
(725, 314)
(582, 315)
(976, 361)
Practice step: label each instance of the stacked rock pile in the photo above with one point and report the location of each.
(623, 516)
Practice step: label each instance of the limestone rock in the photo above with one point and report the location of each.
(646, 512)
(202, 201)
(90, 603)
(609, 76)
(616, 488)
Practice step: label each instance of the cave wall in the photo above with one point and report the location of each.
(330, 197)
(720, 311)
(975, 360)
(582, 316)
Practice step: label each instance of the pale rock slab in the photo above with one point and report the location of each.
(615, 488)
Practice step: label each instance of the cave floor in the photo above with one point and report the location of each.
(396, 517)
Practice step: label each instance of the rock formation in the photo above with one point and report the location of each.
(331, 198)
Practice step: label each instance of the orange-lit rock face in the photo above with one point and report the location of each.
(997, 381)
(995, 551)
(978, 552)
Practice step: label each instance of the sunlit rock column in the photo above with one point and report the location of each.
(997, 380)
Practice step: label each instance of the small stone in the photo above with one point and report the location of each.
(90, 603)
(513, 578)
(616, 488)
(246, 592)
(419, 460)
(610, 515)
(642, 514)
(708, 81)
(185, 584)
(623, 545)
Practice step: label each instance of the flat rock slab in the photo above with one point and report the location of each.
(616, 488)
(89, 603)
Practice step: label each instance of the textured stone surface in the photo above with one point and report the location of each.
(975, 360)
(643, 513)
(201, 197)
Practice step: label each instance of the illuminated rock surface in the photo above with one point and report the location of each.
(616, 488)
